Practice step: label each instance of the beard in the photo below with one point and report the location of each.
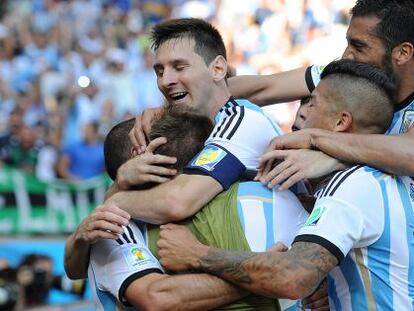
(386, 65)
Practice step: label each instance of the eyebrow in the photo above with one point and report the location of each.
(175, 62)
(357, 42)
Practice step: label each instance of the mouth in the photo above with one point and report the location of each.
(177, 96)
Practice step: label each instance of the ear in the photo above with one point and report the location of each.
(403, 53)
(344, 122)
(218, 68)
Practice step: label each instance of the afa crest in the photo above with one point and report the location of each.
(407, 121)
(209, 157)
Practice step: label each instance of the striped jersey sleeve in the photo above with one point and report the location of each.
(348, 213)
(115, 264)
(241, 135)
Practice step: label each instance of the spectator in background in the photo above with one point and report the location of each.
(149, 95)
(35, 276)
(22, 151)
(54, 43)
(83, 160)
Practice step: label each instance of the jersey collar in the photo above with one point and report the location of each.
(401, 105)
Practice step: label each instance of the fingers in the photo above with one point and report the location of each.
(137, 136)
(271, 175)
(295, 178)
(113, 213)
(318, 300)
(289, 170)
(154, 144)
(154, 178)
(105, 222)
(320, 304)
(160, 159)
(148, 116)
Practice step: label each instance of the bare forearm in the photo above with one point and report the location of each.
(142, 205)
(390, 153)
(195, 292)
(269, 89)
(76, 258)
(293, 274)
(168, 202)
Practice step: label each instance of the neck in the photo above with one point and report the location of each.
(405, 84)
(219, 99)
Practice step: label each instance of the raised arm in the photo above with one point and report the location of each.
(172, 201)
(390, 153)
(269, 89)
(185, 292)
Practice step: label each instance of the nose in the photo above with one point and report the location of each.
(300, 118)
(169, 77)
(348, 54)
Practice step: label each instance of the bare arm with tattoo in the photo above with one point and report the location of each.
(293, 274)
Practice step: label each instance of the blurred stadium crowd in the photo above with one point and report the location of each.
(70, 70)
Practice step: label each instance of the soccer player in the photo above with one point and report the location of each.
(248, 216)
(360, 231)
(191, 69)
(381, 32)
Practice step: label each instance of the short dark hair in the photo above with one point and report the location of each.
(364, 90)
(185, 130)
(208, 41)
(117, 147)
(396, 20)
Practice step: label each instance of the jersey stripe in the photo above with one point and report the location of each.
(365, 279)
(328, 187)
(268, 214)
(230, 121)
(239, 120)
(348, 173)
(334, 301)
(409, 214)
(126, 238)
(219, 127)
(352, 276)
(131, 234)
(254, 224)
(379, 257)
(106, 300)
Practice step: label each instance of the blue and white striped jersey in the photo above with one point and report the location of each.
(241, 135)
(366, 219)
(268, 216)
(403, 117)
(115, 264)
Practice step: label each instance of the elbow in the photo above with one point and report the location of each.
(74, 275)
